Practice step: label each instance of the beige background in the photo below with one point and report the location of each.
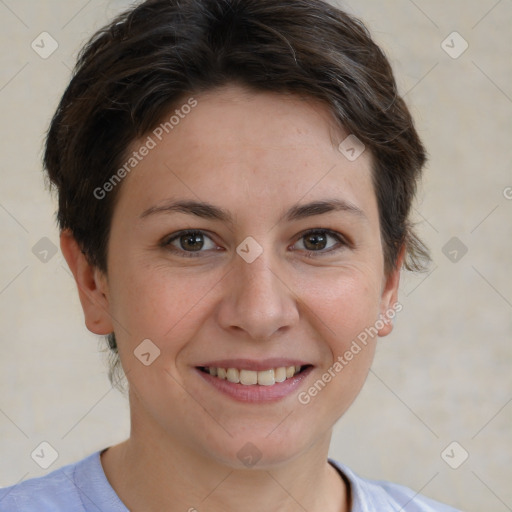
(445, 373)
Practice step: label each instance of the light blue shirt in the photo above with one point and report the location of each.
(83, 487)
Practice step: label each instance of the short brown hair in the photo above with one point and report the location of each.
(142, 64)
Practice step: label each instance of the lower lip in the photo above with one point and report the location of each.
(256, 393)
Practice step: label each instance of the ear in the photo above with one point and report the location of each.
(389, 304)
(91, 283)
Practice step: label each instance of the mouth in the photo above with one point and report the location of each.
(254, 382)
(267, 377)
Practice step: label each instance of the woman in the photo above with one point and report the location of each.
(235, 180)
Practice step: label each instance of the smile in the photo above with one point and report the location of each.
(254, 378)
(255, 384)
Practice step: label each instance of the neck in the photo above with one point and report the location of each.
(152, 472)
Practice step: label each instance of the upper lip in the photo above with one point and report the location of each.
(251, 364)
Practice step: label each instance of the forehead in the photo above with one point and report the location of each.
(257, 148)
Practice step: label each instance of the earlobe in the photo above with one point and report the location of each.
(91, 284)
(389, 300)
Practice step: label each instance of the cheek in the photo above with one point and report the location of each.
(344, 312)
(155, 303)
(342, 305)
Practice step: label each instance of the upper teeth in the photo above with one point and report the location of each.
(251, 377)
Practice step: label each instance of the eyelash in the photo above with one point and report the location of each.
(341, 242)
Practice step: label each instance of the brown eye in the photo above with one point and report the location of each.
(320, 241)
(315, 241)
(189, 242)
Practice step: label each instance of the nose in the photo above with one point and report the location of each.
(257, 300)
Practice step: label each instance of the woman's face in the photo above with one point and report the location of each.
(282, 266)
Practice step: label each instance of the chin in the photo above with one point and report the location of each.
(261, 450)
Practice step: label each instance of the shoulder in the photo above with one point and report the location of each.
(72, 487)
(379, 496)
(54, 491)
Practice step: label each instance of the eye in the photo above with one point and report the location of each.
(320, 241)
(194, 242)
(189, 242)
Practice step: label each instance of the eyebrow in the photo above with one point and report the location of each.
(296, 212)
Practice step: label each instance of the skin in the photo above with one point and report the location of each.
(254, 155)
